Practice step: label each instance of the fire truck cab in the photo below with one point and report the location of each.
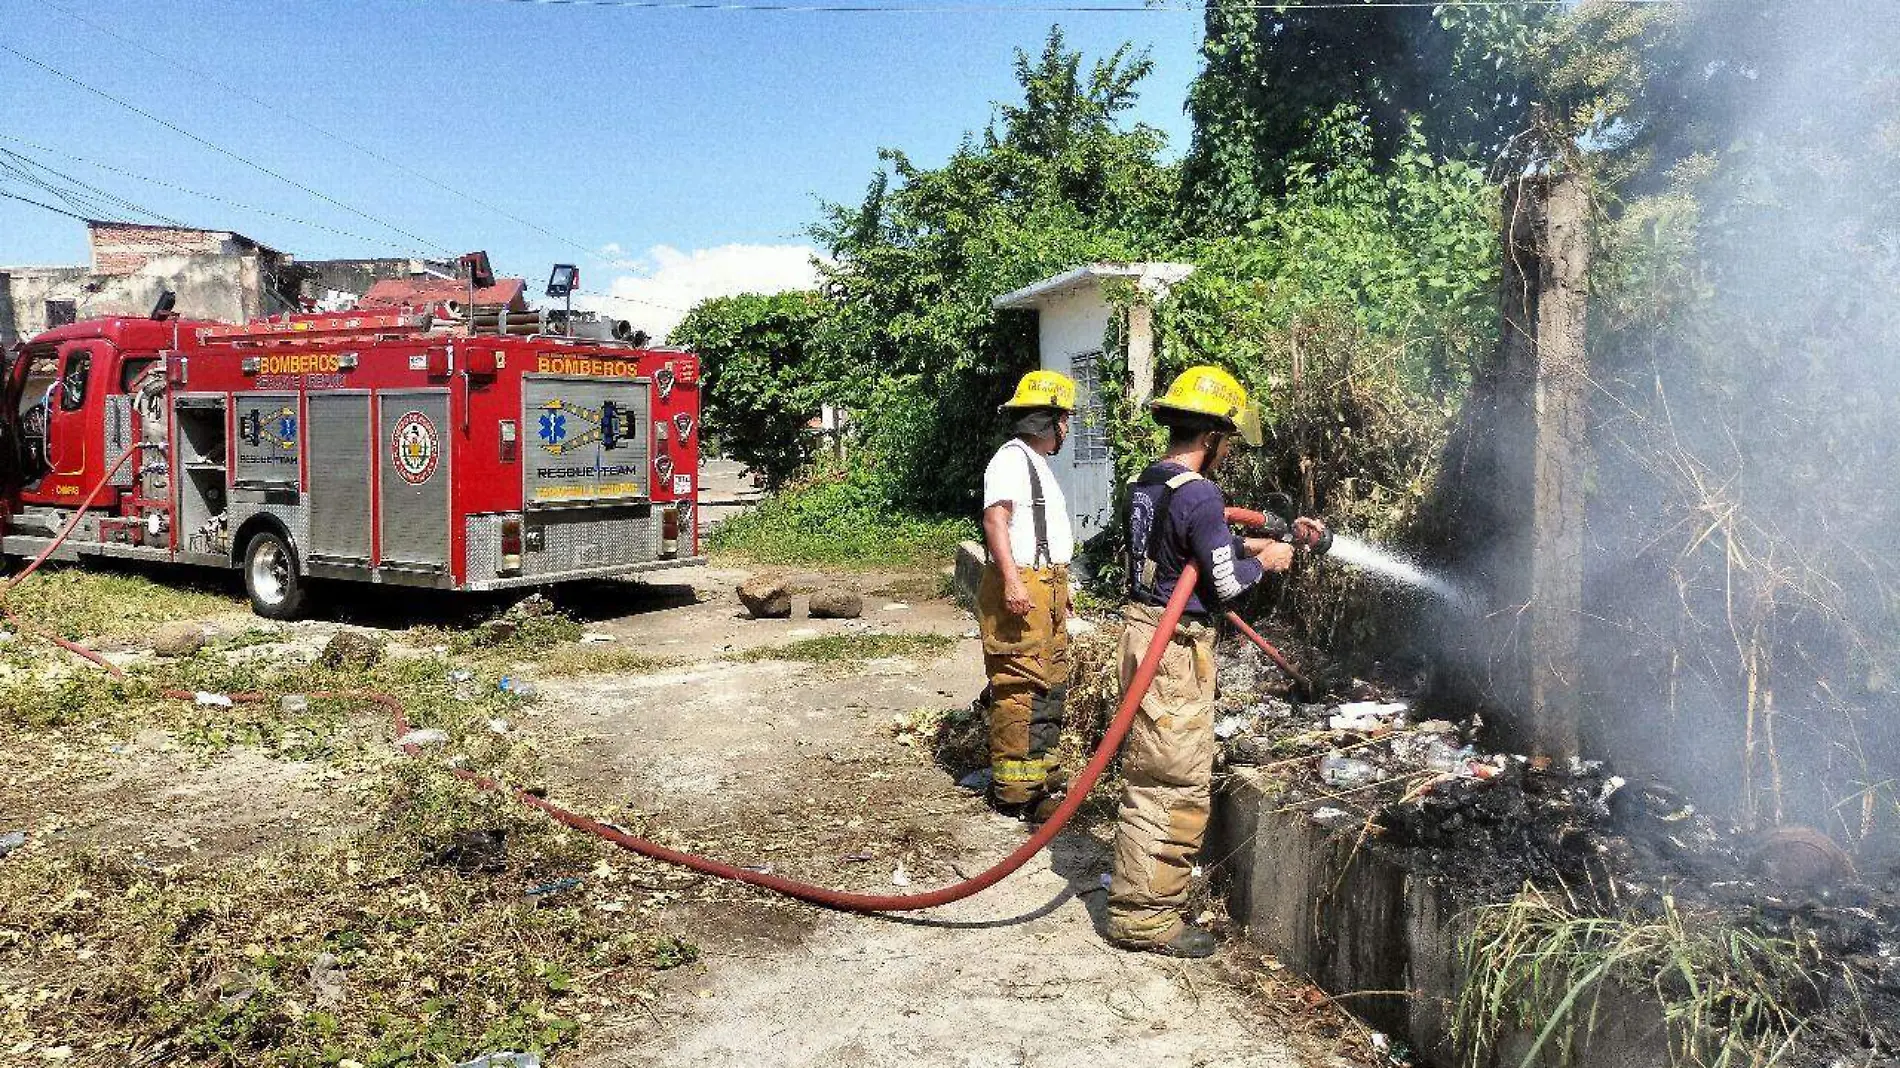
(353, 446)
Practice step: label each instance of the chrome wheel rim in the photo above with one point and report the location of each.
(270, 572)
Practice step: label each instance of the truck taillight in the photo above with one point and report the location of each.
(670, 532)
(510, 543)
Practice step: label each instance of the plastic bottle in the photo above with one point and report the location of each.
(1344, 771)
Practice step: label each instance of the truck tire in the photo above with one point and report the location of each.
(270, 576)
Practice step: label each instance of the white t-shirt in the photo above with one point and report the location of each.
(1007, 479)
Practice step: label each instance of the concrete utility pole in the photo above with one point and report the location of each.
(1542, 455)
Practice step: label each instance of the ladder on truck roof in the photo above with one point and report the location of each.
(319, 326)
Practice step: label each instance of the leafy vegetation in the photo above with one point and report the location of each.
(762, 381)
(839, 519)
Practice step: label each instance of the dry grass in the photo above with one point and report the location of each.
(384, 940)
(1731, 997)
(81, 603)
(852, 649)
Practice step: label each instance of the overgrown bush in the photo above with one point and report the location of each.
(839, 518)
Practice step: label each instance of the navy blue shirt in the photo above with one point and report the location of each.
(1196, 529)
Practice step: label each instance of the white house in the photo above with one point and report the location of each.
(1074, 315)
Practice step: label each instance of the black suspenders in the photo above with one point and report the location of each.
(1037, 510)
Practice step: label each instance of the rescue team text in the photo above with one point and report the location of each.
(576, 365)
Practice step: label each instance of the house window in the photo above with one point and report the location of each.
(1088, 428)
(61, 313)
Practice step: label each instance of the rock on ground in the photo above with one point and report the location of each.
(836, 604)
(178, 639)
(766, 598)
(348, 649)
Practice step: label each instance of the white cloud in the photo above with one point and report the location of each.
(669, 281)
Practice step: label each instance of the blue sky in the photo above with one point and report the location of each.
(665, 134)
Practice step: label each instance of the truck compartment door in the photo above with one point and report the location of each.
(586, 441)
(414, 481)
(341, 460)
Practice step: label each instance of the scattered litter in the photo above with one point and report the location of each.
(504, 1060)
(977, 781)
(972, 633)
(1380, 1042)
(461, 675)
(5, 636)
(1107, 878)
(217, 699)
(11, 841)
(1366, 715)
(1344, 771)
(1610, 786)
(500, 726)
(327, 980)
(900, 877)
(857, 858)
(1229, 726)
(762, 869)
(897, 606)
(594, 637)
(1079, 627)
(1328, 814)
(555, 887)
(424, 737)
(519, 687)
(293, 704)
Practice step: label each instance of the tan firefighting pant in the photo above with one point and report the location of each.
(1027, 659)
(1167, 762)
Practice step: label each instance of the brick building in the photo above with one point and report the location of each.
(216, 274)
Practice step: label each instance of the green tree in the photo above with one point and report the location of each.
(762, 381)
(1054, 180)
(1274, 74)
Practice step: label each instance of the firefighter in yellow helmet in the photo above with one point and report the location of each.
(1177, 514)
(1023, 600)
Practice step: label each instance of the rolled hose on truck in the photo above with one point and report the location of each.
(818, 895)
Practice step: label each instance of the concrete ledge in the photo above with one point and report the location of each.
(969, 570)
(1354, 919)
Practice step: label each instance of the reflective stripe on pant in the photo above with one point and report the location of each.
(1167, 764)
(1027, 659)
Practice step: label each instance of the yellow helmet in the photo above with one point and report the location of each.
(1212, 392)
(1044, 389)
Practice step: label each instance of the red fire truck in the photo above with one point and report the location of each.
(354, 446)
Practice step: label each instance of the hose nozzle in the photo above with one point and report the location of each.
(1278, 521)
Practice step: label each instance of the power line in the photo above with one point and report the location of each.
(331, 134)
(221, 150)
(188, 191)
(48, 207)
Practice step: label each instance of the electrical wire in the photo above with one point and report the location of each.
(396, 164)
(220, 149)
(213, 197)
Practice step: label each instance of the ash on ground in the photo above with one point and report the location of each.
(1483, 824)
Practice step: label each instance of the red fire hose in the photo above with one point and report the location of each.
(818, 895)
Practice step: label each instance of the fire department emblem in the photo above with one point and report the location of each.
(415, 448)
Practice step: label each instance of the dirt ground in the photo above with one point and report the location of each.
(761, 754)
(796, 765)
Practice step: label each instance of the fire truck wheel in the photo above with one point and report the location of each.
(270, 577)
